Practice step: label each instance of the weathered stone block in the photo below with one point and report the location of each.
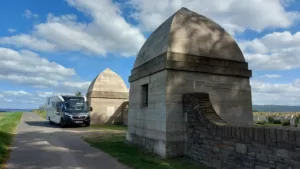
(248, 164)
(254, 149)
(282, 153)
(295, 156)
(294, 163)
(275, 158)
(241, 148)
(267, 151)
(282, 166)
(261, 167)
(261, 157)
(297, 136)
(291, 136)
(285, 146)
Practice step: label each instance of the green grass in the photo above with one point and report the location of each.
(269, 124)
(109, 127)
(136, 157)
(8, 124)
(41, 113)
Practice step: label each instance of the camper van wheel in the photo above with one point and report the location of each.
(62, 123)
(50, 122)
(87, 124)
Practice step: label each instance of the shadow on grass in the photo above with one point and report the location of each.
(109, 127)
(138, 158)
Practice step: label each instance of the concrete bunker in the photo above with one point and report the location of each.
(187, 53)
(108, 95)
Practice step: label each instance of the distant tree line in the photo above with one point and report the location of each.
(78, 93)
(275, 108)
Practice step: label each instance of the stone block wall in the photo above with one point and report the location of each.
(231, 98)
(108, 111)
(147, 125)
(230, 95)
(214, 142)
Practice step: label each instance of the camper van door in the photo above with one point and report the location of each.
(50, 109)
(57, 114)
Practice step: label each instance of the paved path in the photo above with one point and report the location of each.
(39, 145)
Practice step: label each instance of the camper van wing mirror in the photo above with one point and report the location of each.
(91, 109)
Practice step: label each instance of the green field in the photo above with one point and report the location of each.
(137, 158)
(41, 113)
(8, 124)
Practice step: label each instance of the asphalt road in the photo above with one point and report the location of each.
(39, 145)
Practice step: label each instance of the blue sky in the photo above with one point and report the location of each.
(60, 46)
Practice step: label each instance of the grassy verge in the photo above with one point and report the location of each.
(41, 113)
(136, 157)
(109, 127)
(8, 124)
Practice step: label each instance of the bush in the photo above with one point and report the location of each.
(261, 122)
(286, 123)
(276, 121)
(270, 119)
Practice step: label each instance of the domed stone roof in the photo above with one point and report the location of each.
(192, 34)
(108, 81)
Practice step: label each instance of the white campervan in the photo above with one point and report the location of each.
(66, 110)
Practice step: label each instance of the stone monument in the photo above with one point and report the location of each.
(187, 53)
(108, 95)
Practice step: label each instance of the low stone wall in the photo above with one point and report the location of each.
(212, 141)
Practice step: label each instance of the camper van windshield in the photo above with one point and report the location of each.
(76, 104)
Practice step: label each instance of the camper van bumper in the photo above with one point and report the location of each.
(69, 121)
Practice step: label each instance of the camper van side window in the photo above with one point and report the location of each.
(61, 106)
(57, 106)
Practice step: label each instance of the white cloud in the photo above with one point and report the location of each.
(44, 94)
(11, 30)
(107, 32)
(28, 41)
(75, 86)
(234, 15)
(28, 14)
(26, 67)
(274, 51)
(70, 36)
(31, 81)
(24, 99)
(270, 76)
(7, 100)
(16, 93)
(280, 94)
(28, 101)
